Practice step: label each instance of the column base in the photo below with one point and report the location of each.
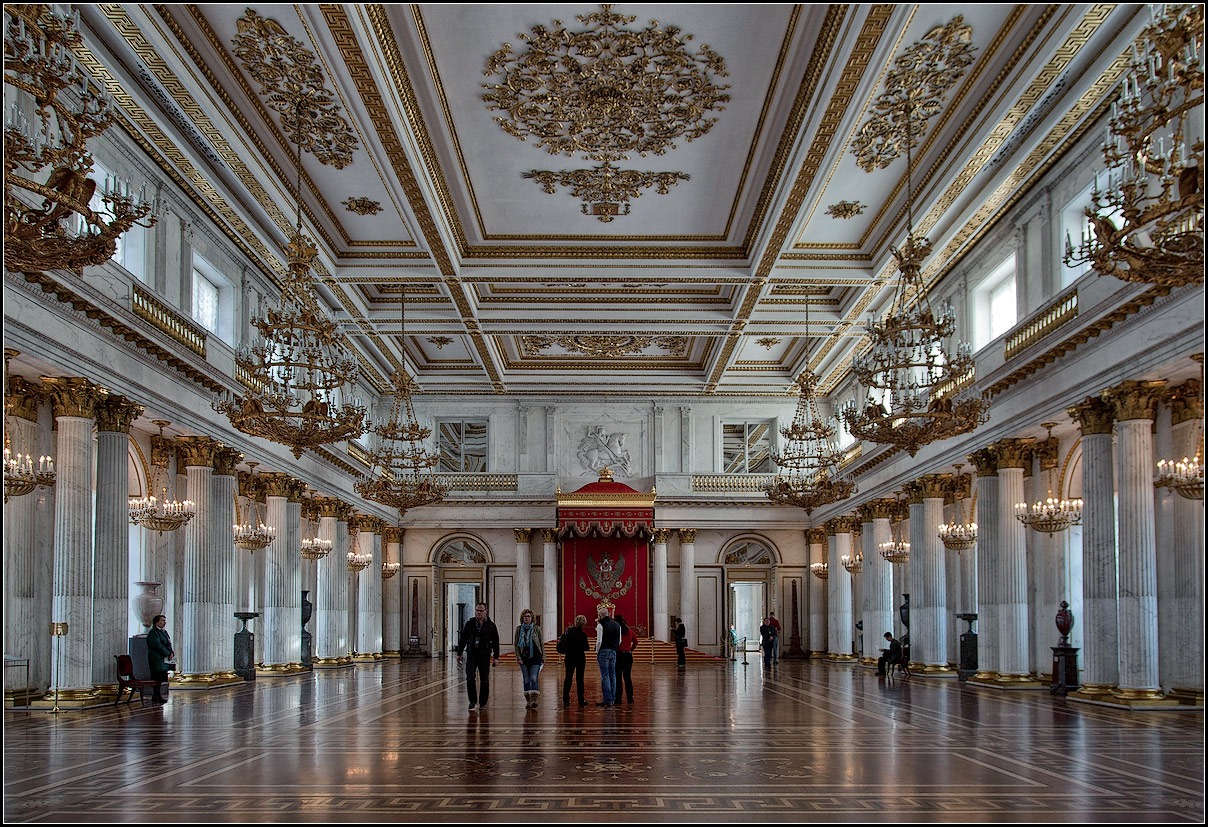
(367, 657)
(1092, 692)
(14, 698)
(204, 681)
(932, 670)
(1006, 681)
(840, 657)
(816, 654)
(867, 661)
(331, 663)
(71, 699)
(279, 670)
(392, 654)
(1187, 696)
(1132, 699)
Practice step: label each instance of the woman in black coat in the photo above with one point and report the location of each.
(574, 646)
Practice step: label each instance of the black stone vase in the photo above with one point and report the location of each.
(307, 608)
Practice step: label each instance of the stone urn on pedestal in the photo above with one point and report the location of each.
(147, 603)
(307, 609)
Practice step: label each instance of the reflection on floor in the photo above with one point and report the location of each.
(720, 742)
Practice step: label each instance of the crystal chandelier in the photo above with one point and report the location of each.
(854, 563)
(294, 372)
(400, 472)
(1154, 154)
(1186, 476)
(164, 513)
(810, 455)
(20, 475)
(1052, 514)
(911, 378)
(389, 569)
(357, 560)
(820, 570)
(896, 549)
(960, 534)
(51, 220)
(251, 534)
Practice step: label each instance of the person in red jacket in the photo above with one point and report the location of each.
(629, 642)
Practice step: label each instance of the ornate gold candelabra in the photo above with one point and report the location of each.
(164, 513)
(960, 534)
(1146, 220)
(251, 534)
(1052, 514)
(21, 476)
(52, 219)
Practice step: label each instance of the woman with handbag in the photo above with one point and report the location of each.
(530, 655)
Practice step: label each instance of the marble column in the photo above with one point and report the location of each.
(658, 586)
(839, 618)
(1099, 658)
(987, 515)
(687, 611)
(929, 619)
(1047, 553)
(332, 643)
(392, 595)
(369, 591)
(75, 401)
(1183, 604)
(199, 610)
(111, 566)
(1137, 611)
(554, 624)
(963, 599)
(1013, 456)
(281, 600)
(25, 605)
(524, 569)
(877, 579)
(226, 555)
(816, 540)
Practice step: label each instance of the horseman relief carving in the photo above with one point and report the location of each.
(599, 449)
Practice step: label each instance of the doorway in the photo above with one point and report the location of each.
(459, 607)
(747, 611)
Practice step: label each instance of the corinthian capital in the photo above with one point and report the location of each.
(196, 450)
(115, 414)
(24, 398)
(1094, 415)
(1186, 402)
(687, 535)
(74, 396)
(1013, 453)
(1135, 399)
(522, 535)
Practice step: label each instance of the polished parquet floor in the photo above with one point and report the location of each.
(722, 742)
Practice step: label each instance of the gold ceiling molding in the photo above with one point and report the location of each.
(914, 90)
(862, 50)
(362, 205)
(606, 345)
(296, 88)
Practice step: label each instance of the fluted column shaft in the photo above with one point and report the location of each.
(223, 484)
(553, 625)
(1099, 658)
(111, 572)
(1013, 575)
(1185, 600)
(839, 641)
(524, 568)
(687, 612)
(199, 611)
(331, 639)
(1137, 559)
(23, 605)
(878, 580)
(988, 518)
(662, 612)
(392, 595)
(369, 593)
(817, 594)
(934, 620)
(73, 603)
(281, 602)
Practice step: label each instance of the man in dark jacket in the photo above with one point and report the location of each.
(889, 656)
(479, 641)
(574, 649)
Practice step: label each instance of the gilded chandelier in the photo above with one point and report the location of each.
(251, 534)
(296, 370)
(51, 112)
(959, 534)
(854, 563)
(20, 475)
(820, 570)
(1147, 218)
(809, 457)
(1186, 476)
(357, 560)
(163, 513)
(1051, 514)
(401, 475)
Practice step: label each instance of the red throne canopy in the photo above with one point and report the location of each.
(605, 529)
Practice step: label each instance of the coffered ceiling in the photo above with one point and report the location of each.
(747, 208)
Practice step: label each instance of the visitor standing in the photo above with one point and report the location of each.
(479, 640)
(573, 646)
(629, 643)
(681, 642)
(530, 656)
(607, 644)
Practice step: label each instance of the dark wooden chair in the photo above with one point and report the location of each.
(126, 680)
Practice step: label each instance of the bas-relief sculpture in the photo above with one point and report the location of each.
(591, 445)
(599, 449)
